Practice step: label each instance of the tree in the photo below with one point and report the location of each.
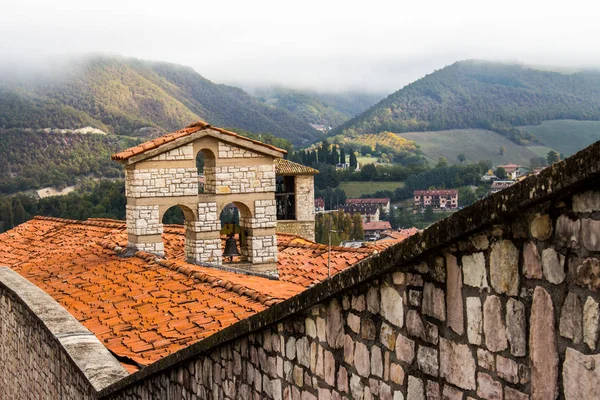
(500, 172)
(353, 160)
(552, 157)
(342, 156)
(368, 172)
(18, 212)
(357, 227)
(502, 150)
(428, 214)
(442, 162)
(461, 158)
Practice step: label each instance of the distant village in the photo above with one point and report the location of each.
(371, 210)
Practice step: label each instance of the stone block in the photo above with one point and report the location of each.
(586, 202)
(493, 324)
(541, 227)
(542, 348)
(405, 349)
(591, 320)
(486, 359)
(567, 231)
(387, 336)
(474, 320)
(515, 327)
(590, 234)
(427, 360)
(457, 365)
(396, 374)
(454, 299)
(488, 388)
(507, 369)
(451, 393)
(474, 272)
(416, 390)
(553, 266)
(504, 268)
(532, 263)
(362, 360)
(581, 375)
(392, 308)
(335, 328)
(433, 302)
(571, 319)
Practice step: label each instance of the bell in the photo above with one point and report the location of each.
(231, 249)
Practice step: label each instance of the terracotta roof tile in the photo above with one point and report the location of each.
(144, 308)
(287, 167)
(188, 130)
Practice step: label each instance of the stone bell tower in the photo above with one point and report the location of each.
(162, 173)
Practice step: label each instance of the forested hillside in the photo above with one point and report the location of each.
(124, 96)
(330, 109)
(478, 94)
(32, 160)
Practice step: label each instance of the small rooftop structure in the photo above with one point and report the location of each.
(271, 194)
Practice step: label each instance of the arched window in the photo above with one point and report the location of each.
(205, 163)
(235, 218)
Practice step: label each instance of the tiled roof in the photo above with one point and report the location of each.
(360, 208)
(376, 226)
(143, 308)
(286, 167)
(188, 130)
(368, 201)
(435, 192)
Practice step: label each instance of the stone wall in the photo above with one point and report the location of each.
(500, 301)
(228, 151)
(185, 152)
(45, 353)
(244, 179)
(161, 182)
(305, 198)
(305, 229)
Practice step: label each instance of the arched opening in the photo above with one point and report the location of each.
(235, 220)
(205, 163)
(176, 215)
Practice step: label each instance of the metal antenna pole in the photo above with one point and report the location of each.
(329, 254)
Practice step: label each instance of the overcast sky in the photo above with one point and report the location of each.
(371, 45)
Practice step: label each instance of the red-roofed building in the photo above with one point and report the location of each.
(436, 199)
(383, 204)
(373, 230)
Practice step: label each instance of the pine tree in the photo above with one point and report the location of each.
(357, 228)
(18, 212)
(342, 156)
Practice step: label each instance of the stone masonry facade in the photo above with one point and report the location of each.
(244, 179)
(228, 151)
(162, 182)
(32, 363)
(509, 311)
(232, 174)
(179, 153)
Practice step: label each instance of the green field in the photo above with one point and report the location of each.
(565, 135)
(541, 151)
(475, 144)
(355, 189)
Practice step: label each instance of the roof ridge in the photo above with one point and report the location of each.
(188, 269)
(325, 247)
(101, 222)
(188, 130)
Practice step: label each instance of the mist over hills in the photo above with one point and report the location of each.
(329, 109)
(128, 96)
(486, 95)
